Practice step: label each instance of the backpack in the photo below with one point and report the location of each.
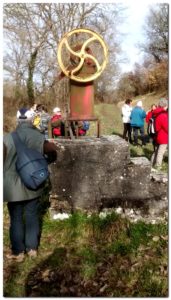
(86, 125)
(57, 131)
(31, 165)
(151, 128)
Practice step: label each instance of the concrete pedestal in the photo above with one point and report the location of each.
(92, 173)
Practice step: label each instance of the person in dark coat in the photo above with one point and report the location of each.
(24, 235)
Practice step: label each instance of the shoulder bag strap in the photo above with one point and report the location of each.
(19, 145)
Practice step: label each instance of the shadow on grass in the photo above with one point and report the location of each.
(12, 272)
(99, 269)
(55, 277)
(90, 257)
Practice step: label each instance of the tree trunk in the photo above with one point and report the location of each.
(30, 83)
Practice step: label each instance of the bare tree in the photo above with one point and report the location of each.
(23, 20)
(157, 30)
(34, 32)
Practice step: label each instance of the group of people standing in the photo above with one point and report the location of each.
(42, 119)
(134, 120)
(39, 115)
(58, 125)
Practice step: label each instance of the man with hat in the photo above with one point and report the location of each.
(21, 201)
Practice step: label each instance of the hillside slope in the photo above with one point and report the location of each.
(110, 114)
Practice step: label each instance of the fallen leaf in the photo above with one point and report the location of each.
(155, 238)
(165, 238)
(103, 288)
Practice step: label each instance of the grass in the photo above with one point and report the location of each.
(89, 256)
(108, 257)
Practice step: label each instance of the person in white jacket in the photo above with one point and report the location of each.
(126, 112)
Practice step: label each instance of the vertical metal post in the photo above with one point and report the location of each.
(98, 128)
(66, 128)
(76, 129)
(49, 130)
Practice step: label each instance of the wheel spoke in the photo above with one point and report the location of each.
(78, 67)
(78, 54)
(92, 39)
(94, 59)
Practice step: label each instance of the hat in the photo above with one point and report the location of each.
(56, 110)
(139, 103)
(163, 102)
(21, 113)
(24, 113)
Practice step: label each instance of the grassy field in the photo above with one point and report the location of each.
(91, 256)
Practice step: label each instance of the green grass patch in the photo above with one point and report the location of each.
(92, 256)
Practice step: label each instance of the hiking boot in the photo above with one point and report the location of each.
(32, 253)
(18, 258)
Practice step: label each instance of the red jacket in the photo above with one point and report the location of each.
(56, 130)
(148, 116)
(81, 132)
(161, 125)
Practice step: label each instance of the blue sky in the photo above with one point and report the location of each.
(137, 11)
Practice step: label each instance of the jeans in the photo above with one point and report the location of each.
(127, 128)
(135, 134)
(24, 225)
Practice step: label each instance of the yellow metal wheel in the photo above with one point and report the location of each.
(75, 44)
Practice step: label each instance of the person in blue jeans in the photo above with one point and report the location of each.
(24, 237)
(23, 203)
(137, 117)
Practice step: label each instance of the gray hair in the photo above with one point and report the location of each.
(163, 102)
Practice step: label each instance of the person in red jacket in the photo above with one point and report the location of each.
(149, 115)
(56, 122)
(161, 138)
(150, 112)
